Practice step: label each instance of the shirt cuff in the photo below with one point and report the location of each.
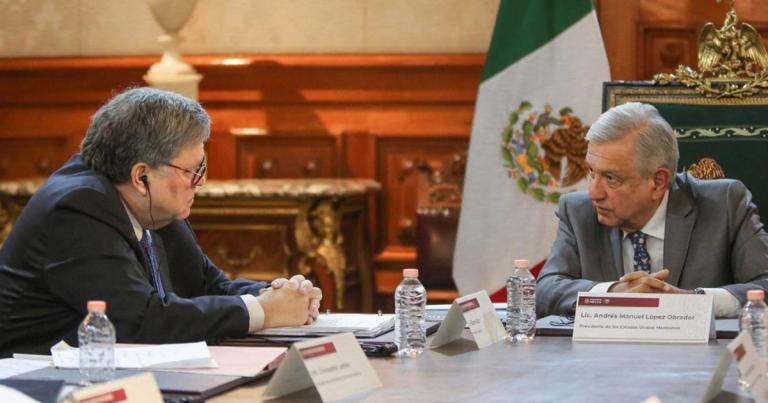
(602, 287)
(255, 313)
(725, 304)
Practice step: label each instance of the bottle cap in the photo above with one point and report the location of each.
(755, 294)
(521, 263)
(98, 306)
(410, 272)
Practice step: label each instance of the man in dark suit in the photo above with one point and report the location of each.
(111, 225)
(641, 228)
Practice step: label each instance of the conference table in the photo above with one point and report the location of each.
(550, 369)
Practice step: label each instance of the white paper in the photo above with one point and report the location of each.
(238, 361)
(180, 355)
(13, 366)
(751, 367)
(335, 365)
(450, 328)
(478, 312)
(360, 324)
(718, 377)
(649, 318)
(12, 395)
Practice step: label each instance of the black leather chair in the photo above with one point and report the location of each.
(437, 221)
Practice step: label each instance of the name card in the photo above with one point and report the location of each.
(475, 310)
(133, 389)
(654, 318)
(335, 365)
(751, 366)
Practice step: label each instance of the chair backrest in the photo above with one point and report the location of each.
(731, 132)
(435, 242)
(437, 220)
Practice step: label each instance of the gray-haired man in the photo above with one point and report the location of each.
(111, 225)
(643, 228)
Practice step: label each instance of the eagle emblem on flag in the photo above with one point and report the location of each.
(544, 153)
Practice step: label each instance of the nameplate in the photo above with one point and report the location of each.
(133, 389)
(653, 318)
(335, 365)
(752, 368)
(475, 310)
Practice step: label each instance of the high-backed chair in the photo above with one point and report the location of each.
(718, 137)
(437, 221)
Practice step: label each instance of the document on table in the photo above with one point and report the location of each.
(437, 312)
(239, 361)
(13, 366)
(12, 395)
(181, 355)
(362, 325)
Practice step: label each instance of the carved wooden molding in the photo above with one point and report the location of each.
(268, 79)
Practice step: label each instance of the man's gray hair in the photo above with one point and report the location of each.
(142, 125)
(655, 145)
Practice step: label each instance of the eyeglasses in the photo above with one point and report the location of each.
(197, 174)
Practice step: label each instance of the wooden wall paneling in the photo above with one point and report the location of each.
(287, 156)
(23, 157)
(69, 81)
(618, 23)
(358, 151)
(663, 48)
(398, 160)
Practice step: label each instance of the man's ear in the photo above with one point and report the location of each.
(139, 178)
(661, 180)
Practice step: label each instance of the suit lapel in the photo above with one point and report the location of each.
(677, 230)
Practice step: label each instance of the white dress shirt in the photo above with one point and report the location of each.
(255, 311)
(725, 304)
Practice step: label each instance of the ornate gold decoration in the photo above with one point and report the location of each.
(706, 168)
(318, 234)
(732, 61)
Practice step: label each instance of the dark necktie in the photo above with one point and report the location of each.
(642, 258)
(157, 281)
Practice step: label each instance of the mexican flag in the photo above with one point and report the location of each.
(541, 88)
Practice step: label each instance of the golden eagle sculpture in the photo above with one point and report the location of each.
(733, 62)
(727, 51)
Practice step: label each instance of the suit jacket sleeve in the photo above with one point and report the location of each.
(89, 258)
(749, 251)
(561, 279)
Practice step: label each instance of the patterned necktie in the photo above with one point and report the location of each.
(642, 258)
(157, 281)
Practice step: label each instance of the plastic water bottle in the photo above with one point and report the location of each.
(753, 319)
(410, 305)
(96, 339)
(521, 303)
